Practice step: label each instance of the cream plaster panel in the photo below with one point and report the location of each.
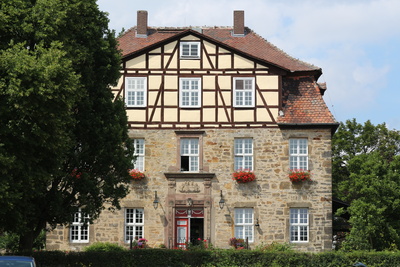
(224, 62)
(209, 114)
(170, 114)
(225, 82)
(221, 50)
(258, 66)
(206, 62)
(268, 82)
(263, 115)
(275, 113)
(208, 82)
(174, 62)
(137, 62)
(227, 98)
(171, 82)
(136, 114)
(154, 82)
(157, 114)
(170, 99)
(190, 115)
(211, 49)
(244, 115)
(241, 62)
(208, 98)
(190, 64)
(169, 48)
(272, 98)
(157, 50)
(190, 38)
(152, 96)
(222, 115)
(155, 62)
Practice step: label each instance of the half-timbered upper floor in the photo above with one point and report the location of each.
(191, 78)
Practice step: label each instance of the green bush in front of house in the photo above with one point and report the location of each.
(214, 258)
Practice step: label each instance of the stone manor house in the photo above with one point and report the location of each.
(202, 103)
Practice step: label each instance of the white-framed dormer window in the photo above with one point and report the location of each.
(135, 91)
(299, 225)
(244, 223)
(243, 92)
(298, 154)
(189, 154)
(134, 224)
(139, 154)
(79, 228)
(190, 50)
(190, 92)
(243, 150)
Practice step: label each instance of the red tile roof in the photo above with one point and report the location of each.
(303, 103)
(251, 44)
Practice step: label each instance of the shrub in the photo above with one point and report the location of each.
(104, 247)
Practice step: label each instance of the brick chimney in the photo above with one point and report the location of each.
(238, 23)
(141, 23)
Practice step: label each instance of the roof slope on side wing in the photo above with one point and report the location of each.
(249, 44)
(303, 103)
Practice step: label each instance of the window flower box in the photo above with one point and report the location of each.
(136, 174)
(299, 175)
(237, 243)
(243, 176)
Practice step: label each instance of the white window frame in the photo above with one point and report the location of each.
(139, 153)
(79, 228)
(244, 223)
(299, 225)
(133, 224)
(190, 92)
(243, 151)
(298, 154)
(193, 52)
(240, 95)
(136, 91)
(190, 149)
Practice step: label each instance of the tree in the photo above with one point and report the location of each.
(63, 141)
(366, 173)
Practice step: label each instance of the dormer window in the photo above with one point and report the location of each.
(190, 50)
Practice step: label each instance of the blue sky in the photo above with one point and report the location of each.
(356, 43)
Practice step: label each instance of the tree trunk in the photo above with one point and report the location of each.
(26, 243)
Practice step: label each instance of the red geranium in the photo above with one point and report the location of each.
(136, 174)
(299, 175)
(244, 176)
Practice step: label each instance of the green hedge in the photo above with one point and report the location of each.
(210, 258)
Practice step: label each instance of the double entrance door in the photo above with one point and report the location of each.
(189, 227)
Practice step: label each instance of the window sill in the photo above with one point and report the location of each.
(186, 175)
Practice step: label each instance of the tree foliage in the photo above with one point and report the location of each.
(366, 173)
(63, 140)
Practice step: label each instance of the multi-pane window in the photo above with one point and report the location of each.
(299, 225)
(244, 223)
(135, 91)
(190, 95)
(134, 224)
(139, 154)
(243, 89)
(189, 154)
(79, 228)
(243, 153)
(190, 49)
(298, 154)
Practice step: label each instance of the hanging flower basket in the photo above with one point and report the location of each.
(299, 175)
(243, 176)
(136, 174)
